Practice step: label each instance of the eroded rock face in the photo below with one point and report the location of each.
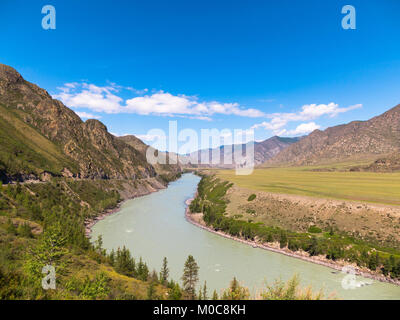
(87, 149)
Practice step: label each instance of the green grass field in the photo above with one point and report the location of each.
(359, 186)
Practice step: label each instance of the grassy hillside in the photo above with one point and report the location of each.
(23, 150)
(360, 186)
(43, 223)
(79, 170)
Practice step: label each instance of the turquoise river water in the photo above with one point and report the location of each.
(154, 226)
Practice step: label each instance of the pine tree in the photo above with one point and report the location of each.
(24, 230)
(190, 278)
(205, 297)
(373, 262)
(142, 271)
(236, 292)
(215, 295)
(175, 292)
(111, 257)
(164, 272)
(313, 249)
(153, 277)
(99, 245)
(10, 227)
(151, 291)
(48, 251)
(124, 263)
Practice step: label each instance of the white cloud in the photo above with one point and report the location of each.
(105, 99)
(158, 103)
(274, 125)
(150, 137)
(313, 111)
(308, 112)
(85, 115)
(164, 103)
(304, 128)
(99, 99)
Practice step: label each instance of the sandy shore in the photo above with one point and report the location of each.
(337, 265)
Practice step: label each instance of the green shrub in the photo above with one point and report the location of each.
(24, 230)
(314, 229)
(251, 197)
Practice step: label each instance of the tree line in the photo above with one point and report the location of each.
(332, 244)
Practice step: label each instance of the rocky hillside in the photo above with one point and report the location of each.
(262, 152)
(389, 163)
(41, 137)
(271, 147)
(167, 170)
(358, 140)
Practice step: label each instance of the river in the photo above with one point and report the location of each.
(154, 226)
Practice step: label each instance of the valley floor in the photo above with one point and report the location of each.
(374, 187)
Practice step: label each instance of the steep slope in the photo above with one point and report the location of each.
(263, 151)
(358, 140)
(166, 170)
(40, 135)
(41, 138)
(269, 148)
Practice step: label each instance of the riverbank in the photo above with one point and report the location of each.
(89, 223)
(146, 187)
(335, 265)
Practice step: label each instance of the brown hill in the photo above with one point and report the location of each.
(39, 135)
(163, 169)
(263, 151)
(358, 140)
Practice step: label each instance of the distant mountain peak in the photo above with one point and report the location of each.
(263, 151)
(357, 140)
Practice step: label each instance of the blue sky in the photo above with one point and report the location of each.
(282, 67)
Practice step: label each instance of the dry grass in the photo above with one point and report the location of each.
(359, 186)
(296, 199)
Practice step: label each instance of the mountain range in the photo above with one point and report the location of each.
(40, 137)
(358, 140)
(263, 151)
